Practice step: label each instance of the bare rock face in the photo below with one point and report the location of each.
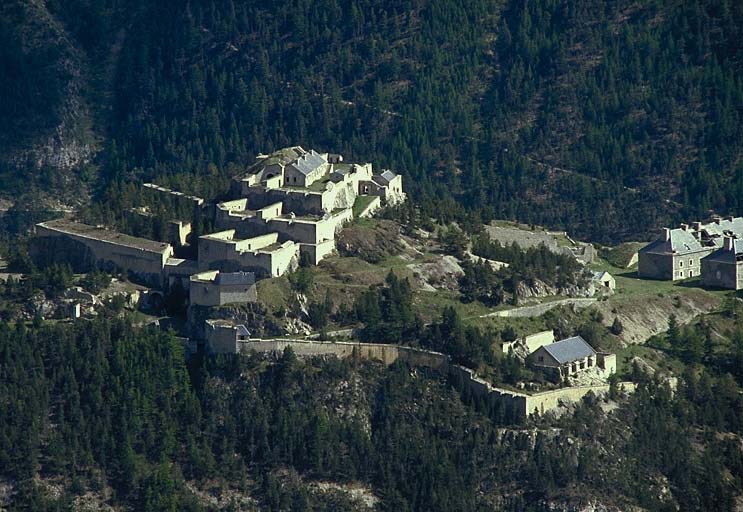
(60, 150)
(539, 289)
(443, 274)
(536, 288)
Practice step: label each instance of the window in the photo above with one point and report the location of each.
(681, 263)
(691, 263)
(691, 273)
(541, 359)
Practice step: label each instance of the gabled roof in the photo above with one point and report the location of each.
(308, 162)
(385, 178)
(680, 242)
(241, 330)
(601, 274)
(279, 157)
(570, 349)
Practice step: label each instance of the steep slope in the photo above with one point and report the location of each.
(534, 111)
(46, 135)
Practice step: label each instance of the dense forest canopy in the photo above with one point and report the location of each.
(106, 407)
(607, 118)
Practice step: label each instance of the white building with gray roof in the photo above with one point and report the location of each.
(306, 169)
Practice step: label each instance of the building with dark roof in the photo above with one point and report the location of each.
(678, 253)
(571, 356)
(724, 267)
(386, 185)
(675, 255)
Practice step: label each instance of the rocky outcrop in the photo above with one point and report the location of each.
(539, 289)
(442, 274)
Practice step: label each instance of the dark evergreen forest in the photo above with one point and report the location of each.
(605, 117)
(104, 407)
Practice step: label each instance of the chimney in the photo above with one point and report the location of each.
(696, 226)
(729, 244)
(685, 227)
(729, 218)
(666, 234)
(717, 219)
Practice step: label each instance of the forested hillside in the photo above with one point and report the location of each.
(605, 117)
(103, 412)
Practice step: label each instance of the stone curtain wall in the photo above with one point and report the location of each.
(521, 404)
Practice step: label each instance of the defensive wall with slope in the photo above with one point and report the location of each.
(519, 405)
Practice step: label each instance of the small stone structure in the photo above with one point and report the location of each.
(604, 281)
(224, 336)
(530, 343)
(214, 288)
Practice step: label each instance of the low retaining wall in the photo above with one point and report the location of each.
(540, 309)
(519, 404)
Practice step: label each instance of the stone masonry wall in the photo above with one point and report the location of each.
(147, 264)
(521, 404)
(727, 274)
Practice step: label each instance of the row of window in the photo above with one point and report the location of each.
(681, 263)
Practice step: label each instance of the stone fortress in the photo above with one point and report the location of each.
(287, 205)
(712, 250)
